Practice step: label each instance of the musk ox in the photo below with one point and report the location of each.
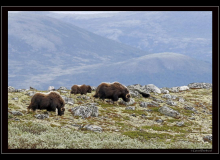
(49, 101)
(83, 89)
(112, 91)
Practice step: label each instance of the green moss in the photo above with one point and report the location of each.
(141, 135)
(166, 128)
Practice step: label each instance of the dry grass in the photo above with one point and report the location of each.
(121, 128)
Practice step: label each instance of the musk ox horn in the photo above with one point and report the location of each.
(127, 96)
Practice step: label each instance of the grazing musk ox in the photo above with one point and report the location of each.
(83, 89)
(49, 101)
(112, 91)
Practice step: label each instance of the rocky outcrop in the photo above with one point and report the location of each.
(200, 85)
(85, 111)
(93, 128)
(169, 112)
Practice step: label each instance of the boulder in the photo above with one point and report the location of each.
(51, 88)
(169, 112)
(93, 128)
(85, 111)
(131, 102)
(152, 88)
(16, 113)
(62, 88)
(30, 93)
(174, 89)
(165, 91)
(171, 103)
(183, 88)
(41, 116)
(138, 88)
(200, 85)
(67, 100)
(11, 89)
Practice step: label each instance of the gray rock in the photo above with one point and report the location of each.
(134, 94)
(130, 108)
(187, 107)
(152, 88)
(169, 112)
(62, 88)
(164, 91)
(171, 103)
(153, 104)
(131, 102)
(159, 121)
(67, 100)
(63, 91)
(15, 98)
(157, 100)
(183, 88)
(200, 85)
(41, 116)
(167, 96)
(181, 99)
(144, 104)
(30, 93)
(180, 123)
(191, 118)
(11, 89)
(32, 88)
(93, 128)
(85, 111)
(93, 88)
(174, 89)
(141, 90)
(51, 88)
(17, 113)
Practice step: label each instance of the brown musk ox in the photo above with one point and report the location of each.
(80, 89)
(112, 91)
(49, 101)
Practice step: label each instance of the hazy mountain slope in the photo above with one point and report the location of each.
(188, 33)
(43, 51)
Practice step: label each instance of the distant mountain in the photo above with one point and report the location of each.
(44, 51)
(188, 33)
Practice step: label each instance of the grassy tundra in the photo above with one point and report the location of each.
(121, 128)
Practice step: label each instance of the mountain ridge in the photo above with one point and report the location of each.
(43, 51)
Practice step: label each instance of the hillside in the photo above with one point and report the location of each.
(44, 51)
(188, 33)
(139, 124)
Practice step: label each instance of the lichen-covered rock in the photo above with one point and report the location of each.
(200, 85)
(183, 88)
(11, 89)
(62, 88)
(169, 112)
(93, 128)
(67, 100)
(171, 103)
(51, 88)
(30, 93)
(152, 88)
(85, 111)
(174, 89)
(164, 91)
(41, 116)
(131, 102)
(16, 113)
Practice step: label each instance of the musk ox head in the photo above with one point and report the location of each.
(61, 111)
(126, 98)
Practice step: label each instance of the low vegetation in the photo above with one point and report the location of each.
(121, 128)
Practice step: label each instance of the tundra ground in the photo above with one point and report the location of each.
(142, 128)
